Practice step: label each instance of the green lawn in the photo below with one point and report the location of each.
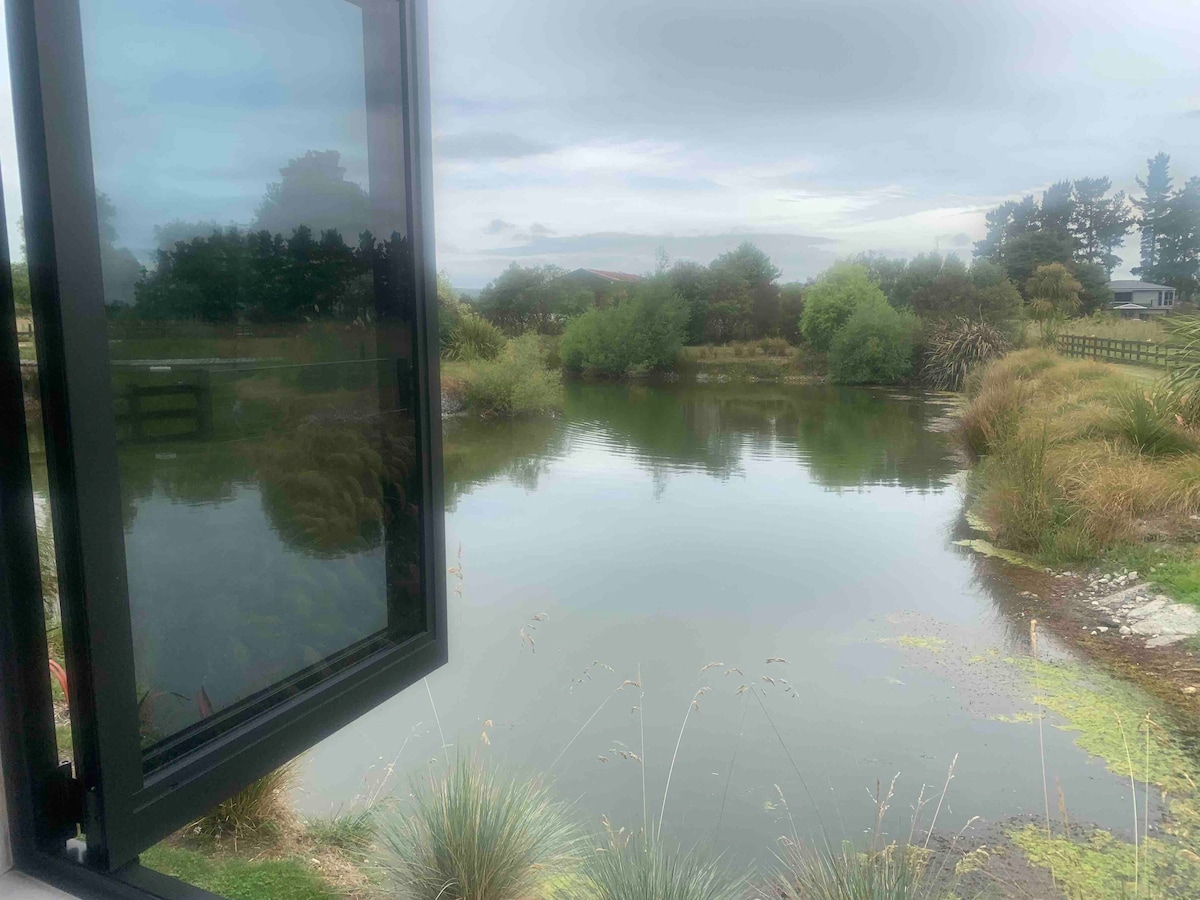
(240, 879)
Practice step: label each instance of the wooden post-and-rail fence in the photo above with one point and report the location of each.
(1137, 353)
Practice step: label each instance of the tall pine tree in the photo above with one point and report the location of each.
(1152, 207)
(1177, 242)
(1098, 222)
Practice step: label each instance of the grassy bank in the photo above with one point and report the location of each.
(1079, 461)
(769, 358)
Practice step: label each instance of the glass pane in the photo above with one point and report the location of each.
(249, 166)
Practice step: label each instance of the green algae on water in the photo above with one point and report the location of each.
(918, 642)
(987, 548)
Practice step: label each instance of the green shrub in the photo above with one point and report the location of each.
(643, 332)
(477, 834)
(875, 346)
(516, 383)
(450, 310)
(636, 869)
(474, 337)
(829, 304)
(956, 348)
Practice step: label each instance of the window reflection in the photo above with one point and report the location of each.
(249, 172)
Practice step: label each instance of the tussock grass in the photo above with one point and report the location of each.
(1079, 457)
(476, 833)
(257, 812)
(346, 831)
(897, 872)
(639, 869)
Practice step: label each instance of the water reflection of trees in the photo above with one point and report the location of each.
(476, 452)
(844, 437)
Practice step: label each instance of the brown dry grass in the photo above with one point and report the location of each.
(1069, 471)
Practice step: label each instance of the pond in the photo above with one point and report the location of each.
(750, 591)
(770, 571)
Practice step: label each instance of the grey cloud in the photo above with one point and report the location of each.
(499, 226)
(539, 229)
(487, 145)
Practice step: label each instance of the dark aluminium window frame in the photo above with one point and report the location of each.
(120, 814)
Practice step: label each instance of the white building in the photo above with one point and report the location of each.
(1141, 299)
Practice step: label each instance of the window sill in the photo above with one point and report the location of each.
(16, 886)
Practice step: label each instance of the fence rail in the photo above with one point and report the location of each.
(1137, 353)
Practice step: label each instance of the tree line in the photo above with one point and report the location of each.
(736, 297)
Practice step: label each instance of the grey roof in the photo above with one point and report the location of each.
(1129, 306)
(1134, 285)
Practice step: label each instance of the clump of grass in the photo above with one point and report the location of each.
(474, 833)
(515, 383)
(1147, 421)
(637, 868)
(955, 348)
(474, 337)
(993, 415)
(844, 873)
(345, 831)
(774, 346)
(258, 811)
(1021, 500)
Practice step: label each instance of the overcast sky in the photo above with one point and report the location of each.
(590, 132)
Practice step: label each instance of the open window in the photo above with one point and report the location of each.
(228, 227)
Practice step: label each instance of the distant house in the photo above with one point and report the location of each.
(1141, 299)
(603, 285)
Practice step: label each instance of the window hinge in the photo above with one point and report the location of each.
(67, 801)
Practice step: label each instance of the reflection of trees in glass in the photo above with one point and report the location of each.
(293, 264)
(324, 485)
(233, 275)
(119, 268)
(314, 192)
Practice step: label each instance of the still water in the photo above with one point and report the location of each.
(772, 564)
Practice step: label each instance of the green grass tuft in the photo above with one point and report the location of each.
(637, 869)
(477, 834)
(897, 872)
